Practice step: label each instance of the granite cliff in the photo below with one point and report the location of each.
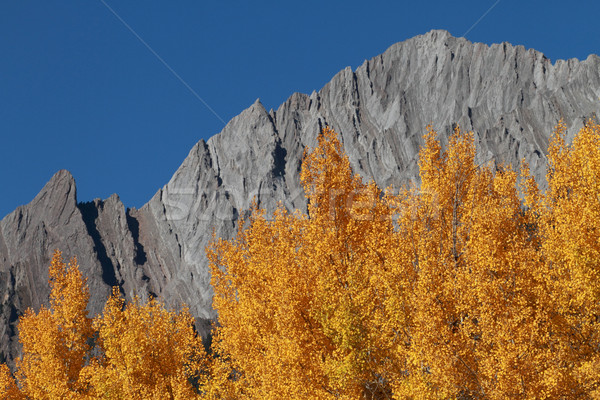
(509, 96)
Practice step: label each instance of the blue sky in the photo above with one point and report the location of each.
(79, 90)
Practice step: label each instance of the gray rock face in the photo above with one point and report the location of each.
(509, 96)
(28, 237)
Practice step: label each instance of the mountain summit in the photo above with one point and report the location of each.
(510, 97)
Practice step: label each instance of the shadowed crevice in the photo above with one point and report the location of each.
(279, 160)
(89, 212)
(134, 227)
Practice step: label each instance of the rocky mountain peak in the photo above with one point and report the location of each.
(509, 96)
(59, 194)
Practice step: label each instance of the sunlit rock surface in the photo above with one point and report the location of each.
(509, 96)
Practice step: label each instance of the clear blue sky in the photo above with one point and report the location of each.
(78, 90)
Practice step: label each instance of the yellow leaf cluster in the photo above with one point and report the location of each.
(56, 339)
(148, 352)
(568, 219)
(456, 289)
(133, 351)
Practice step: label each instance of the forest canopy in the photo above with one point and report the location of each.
(475, 284)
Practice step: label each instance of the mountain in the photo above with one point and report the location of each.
(509, 96)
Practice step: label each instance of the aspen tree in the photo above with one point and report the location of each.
(294, 294)
(141, 351)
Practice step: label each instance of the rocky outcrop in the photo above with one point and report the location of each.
(509, 96)
(28, 237)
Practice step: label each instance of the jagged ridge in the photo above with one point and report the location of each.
(509, 96)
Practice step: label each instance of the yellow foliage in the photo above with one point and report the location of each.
(148, 352)
(456, 289)
(294, 295)
(475, 292)
(8, 386)
(56, 339)
(569, 228)
(142, 351)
